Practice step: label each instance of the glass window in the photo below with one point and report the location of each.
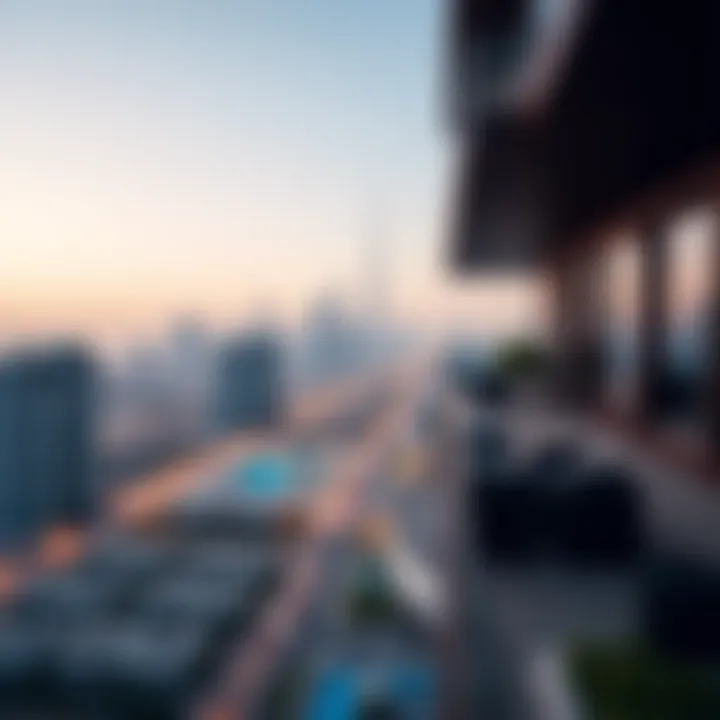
(623, 282)
(690, 273)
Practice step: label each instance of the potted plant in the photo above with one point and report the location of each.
(618, 680)
(524, 365)
(371, 600)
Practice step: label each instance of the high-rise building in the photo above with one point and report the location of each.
(331, 339)
(191, 352)
(190, 367)
(46, 441)
(250, 387)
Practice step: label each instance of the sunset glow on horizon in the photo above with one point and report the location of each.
(206, 157)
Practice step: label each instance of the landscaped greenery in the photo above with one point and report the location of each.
(371, 606)
(626, 682)
(522, 360)
(371, 599)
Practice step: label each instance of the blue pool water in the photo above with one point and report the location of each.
(266, 477)
(339, 693)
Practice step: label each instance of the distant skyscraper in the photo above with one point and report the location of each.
(377, 284)
(46, 441)
(191, 351)
(330, 339)
(250, 390)
(191, 368)
(146, 371)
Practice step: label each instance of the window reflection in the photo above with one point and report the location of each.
(690, 262)
(623, 313)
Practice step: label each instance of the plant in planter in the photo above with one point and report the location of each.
(523, 364)
(371, 599)
(368, 605)
(625, 681)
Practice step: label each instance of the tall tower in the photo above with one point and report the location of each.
(376, 259)
(46, 441)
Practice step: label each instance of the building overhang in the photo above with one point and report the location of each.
(627, 105)
(497, 213)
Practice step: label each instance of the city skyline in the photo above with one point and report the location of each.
(175, 157)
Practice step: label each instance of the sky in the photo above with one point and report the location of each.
(171, 156)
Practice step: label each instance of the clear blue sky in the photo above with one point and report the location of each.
(166, 155)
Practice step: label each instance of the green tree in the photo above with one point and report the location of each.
(522, 360)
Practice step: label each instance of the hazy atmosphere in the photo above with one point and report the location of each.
(215, 157)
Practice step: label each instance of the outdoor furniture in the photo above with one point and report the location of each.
(556, 463)
(681, 606)
(599, 520)
(507, 517)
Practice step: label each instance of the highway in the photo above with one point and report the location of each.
(241, 688)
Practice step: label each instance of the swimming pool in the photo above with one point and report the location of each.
(341, 691)
(266, 478)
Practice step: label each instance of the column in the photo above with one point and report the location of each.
(712, 378)
(579, 336)
(653, 324)
(562, 335)
(589, 303)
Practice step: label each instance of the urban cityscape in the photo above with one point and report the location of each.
(311, 409)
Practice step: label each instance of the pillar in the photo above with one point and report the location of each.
(562, 332)
(653, 326)
(712, 378)
(579, 318)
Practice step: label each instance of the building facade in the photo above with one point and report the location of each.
(46, 442)
(331, 339)
(250, 383)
